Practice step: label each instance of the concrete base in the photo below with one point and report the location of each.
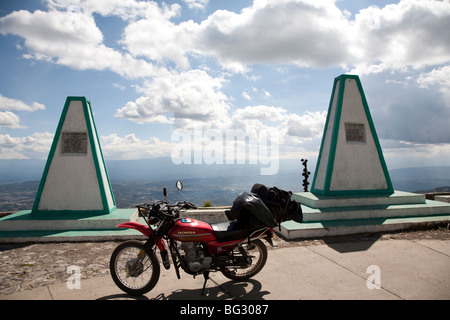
(40, 236)
(379, 211)
(397, 198)
(442, 198)
(330, 216)
(292, 230)
(23, 226)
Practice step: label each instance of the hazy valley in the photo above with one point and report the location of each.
(139, 181)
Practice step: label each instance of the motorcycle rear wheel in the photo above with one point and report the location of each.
(257, 251)
(134, 274)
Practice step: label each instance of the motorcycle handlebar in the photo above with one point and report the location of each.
(164, 209)
(186, 205)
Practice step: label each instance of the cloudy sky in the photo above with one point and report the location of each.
(151, 67)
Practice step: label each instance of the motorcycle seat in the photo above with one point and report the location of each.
(229, 231)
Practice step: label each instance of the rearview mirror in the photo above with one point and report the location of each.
(165, 192)
(179, 185)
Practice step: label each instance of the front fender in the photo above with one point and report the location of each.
(145, 230)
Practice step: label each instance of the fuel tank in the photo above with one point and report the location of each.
(188, 230)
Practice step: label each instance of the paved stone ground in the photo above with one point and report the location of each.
(27, 266)
(32, 265)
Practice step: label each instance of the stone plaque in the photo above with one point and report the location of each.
(355, 132)
(74, 142)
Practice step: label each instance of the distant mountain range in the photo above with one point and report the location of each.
(138, 181)
(422, 179)
(163, 169)
(155, 169)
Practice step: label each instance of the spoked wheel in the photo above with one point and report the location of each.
(257, 252)
(133, 269)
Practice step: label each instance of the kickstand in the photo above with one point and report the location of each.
(206, 276)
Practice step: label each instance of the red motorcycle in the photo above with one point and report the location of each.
(233, 248)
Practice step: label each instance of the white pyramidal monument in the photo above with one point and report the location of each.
(351, 190)
(75, 179)
(350, 160)
(75, 198)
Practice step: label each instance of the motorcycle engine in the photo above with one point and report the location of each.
(194, 258)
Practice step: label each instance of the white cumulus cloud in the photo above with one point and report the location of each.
(10, 119)
(36, 145)
(71, 39)
(132, 147)
(178, 98)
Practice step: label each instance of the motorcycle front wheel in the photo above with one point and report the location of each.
(134, 269)
(257, 252)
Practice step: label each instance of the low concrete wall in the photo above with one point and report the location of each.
(209, 215)
(445, 198)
